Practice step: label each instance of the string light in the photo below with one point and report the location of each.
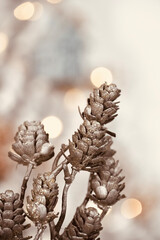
(3, 42)
(24, 11)
(53, 126)
(54, 1)
(131, 208)
(100, 75)
(73, 98)
(38, 11)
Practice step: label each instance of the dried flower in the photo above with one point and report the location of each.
(31, 144)
(101, 106)
(106, 184)
(85, 225)
(12, 216)
(44, 198)
(89, 146)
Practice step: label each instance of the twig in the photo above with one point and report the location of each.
(105, 210)
(64, 202)
(25, 181)
(59, 155)
(40, 230)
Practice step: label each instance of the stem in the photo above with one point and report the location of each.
(25, 181)
(59, 155)
(64, 202)
(40, 230)
(58, 169)
(105, 210)
(52, 230)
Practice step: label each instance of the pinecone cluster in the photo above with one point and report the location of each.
(90, 144)
(85, 225)
(31, 144)
(44, 198)
(106, 184)
(12, 217)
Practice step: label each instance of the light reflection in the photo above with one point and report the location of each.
(24, 11)
(3, 42)
(54, 1)
(53, 126)
(131, 208)
(38, 11)
(73, 98)
(101, 75)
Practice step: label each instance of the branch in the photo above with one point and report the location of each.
(104, 212)
(25, 181)
(64, 148)
(40, 230)
(64, 200)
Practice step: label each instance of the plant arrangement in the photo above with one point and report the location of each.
(88, 150)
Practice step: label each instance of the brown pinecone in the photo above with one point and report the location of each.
(44, 198)
(31, 144)
(106, 184)
(85, 225)
(101, 106)
(12, 217)
(89, 146)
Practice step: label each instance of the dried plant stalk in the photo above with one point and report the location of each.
(89, 150)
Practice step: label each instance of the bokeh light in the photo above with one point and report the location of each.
(24, 11)
(73, 98)
(131, 208)
(38, 11)
(100, 75)
(3, 42)
(54, 1)
(53, 126)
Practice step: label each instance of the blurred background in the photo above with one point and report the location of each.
(52, 54)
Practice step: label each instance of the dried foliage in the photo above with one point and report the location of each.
(89, 150)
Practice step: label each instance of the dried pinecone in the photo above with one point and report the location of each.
(101, 106)
(12, 217)
(31, 144)
(106, 184)
(90, 146)
(44, 198)
(85, 225)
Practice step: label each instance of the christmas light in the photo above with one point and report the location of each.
(54, 1)
(100, 75)
(73, 98)
(53, 126)
(3, 42)
(131, 208)
(24, 11)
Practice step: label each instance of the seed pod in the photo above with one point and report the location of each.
(106, 184)
(10, 216)
(31, 144)
(101, 106)
(85, 225)
(44, 198)
(90, 144)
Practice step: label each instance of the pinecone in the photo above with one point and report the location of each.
(12, 217)
(106, 184)
(89, 146)
(44, 198)
(101, 106)
(85, 225)
(31, 144)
